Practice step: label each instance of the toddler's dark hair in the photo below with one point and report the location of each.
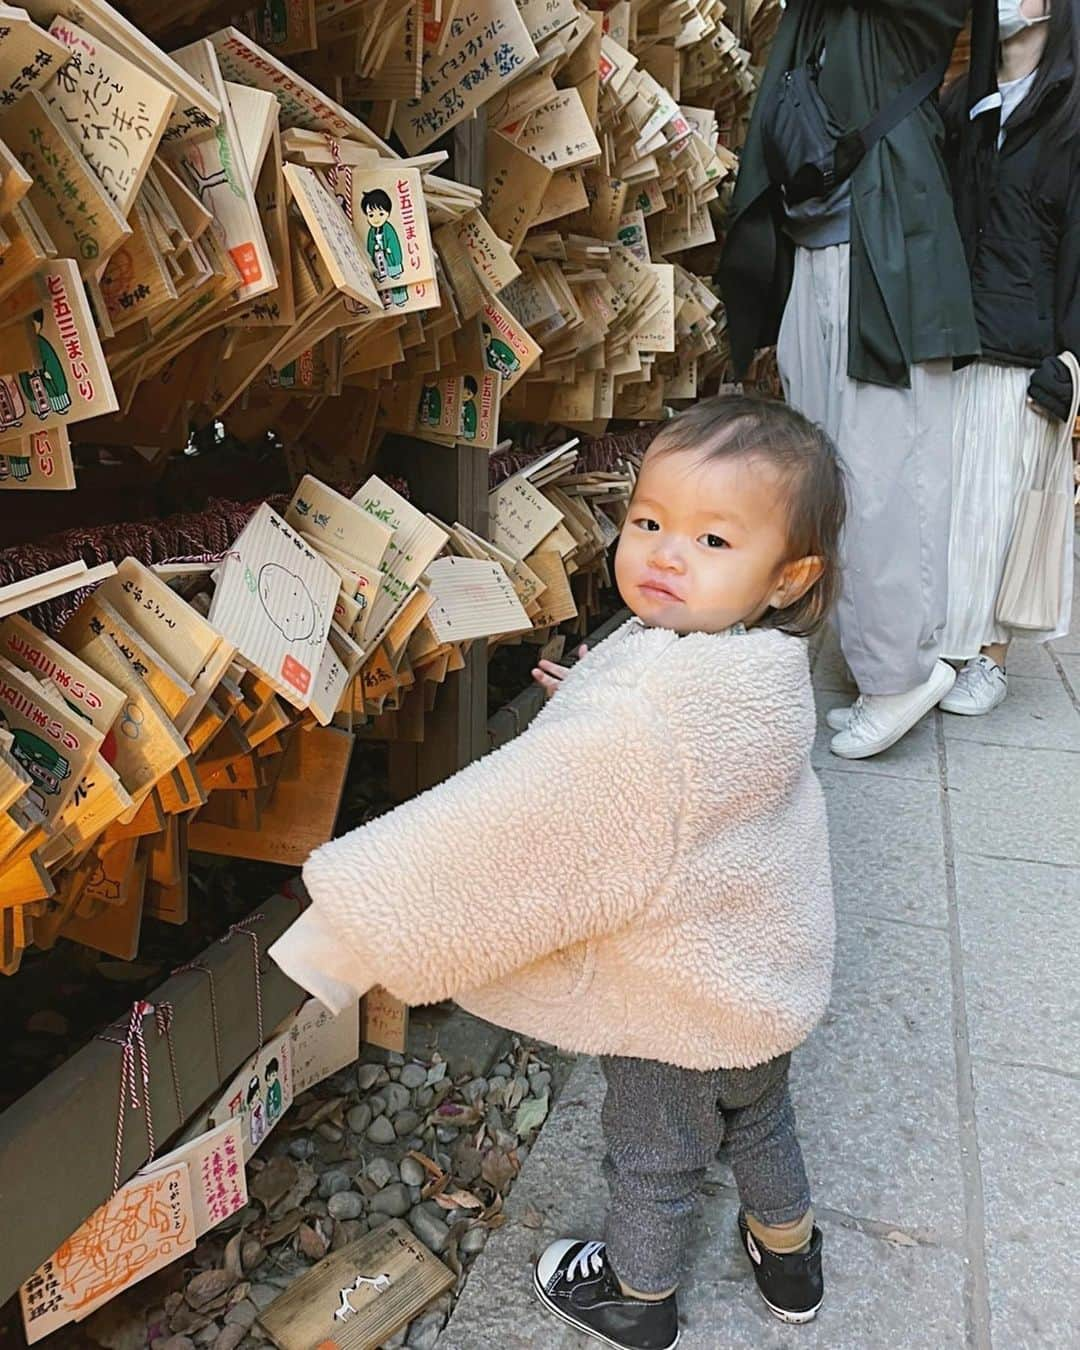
(732, 426)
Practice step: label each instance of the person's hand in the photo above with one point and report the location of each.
(1051, 390)
(549, 675)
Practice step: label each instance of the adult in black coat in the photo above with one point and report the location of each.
(1015, 165)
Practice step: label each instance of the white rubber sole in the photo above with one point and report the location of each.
(541, 1294)
(793, 1319)
(967, 710)
(929, 700)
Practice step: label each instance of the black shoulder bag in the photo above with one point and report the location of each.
(806, 153)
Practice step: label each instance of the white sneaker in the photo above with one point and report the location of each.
(878, 721)
(838, 718)
(981, 685)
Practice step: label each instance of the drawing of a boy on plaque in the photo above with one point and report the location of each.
(383, 245)
(45, 386)
(429, 413)
(469, 411)
(273, 1092)
(500, 356)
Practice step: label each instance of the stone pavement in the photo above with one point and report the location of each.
(939, 1101)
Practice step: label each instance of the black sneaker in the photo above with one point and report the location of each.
(574, 1281)
(792, 1286)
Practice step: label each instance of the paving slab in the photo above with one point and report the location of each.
(1030, 1152)
(879, 1292)
(888, 859)
(1037, 714)
(1032, 660)
(875, 1085)
(1071, 666)
(1015, 802)
(1020, 927)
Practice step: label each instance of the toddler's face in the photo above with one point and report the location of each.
(705, 544)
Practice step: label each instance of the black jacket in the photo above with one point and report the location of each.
(909, 298)
(1020, 222)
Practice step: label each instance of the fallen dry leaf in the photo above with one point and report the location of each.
(458, 1200)
(273, 1182)
(532, 1218)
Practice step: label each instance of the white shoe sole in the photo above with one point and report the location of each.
(930, 699)
(968, 710)
(541, 1294)
(793, 1319)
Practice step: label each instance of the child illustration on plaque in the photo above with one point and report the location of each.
(273, 1093)
(469, 411)
(500, 356)
(257, 1126)
(383, 245)
(45, 385)
(429, 412)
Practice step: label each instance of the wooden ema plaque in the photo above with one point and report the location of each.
(359, 1297)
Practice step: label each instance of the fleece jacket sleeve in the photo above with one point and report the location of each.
(561, 836)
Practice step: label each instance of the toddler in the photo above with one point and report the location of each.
(678, 919)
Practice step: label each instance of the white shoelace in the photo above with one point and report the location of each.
(859, 717)
(589, 1261)
(980, 671)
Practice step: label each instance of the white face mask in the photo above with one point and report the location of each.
(1012, 20)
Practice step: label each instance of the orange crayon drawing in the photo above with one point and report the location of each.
(144, 1223)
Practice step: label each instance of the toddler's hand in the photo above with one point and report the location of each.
(550, 675)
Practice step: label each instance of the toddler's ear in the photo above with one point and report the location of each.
(795, 580)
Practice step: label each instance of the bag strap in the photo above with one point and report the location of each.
(1063, 447)
(904, 103)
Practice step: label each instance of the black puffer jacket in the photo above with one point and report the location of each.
(1020, 222)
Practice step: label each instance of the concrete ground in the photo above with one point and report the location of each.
(939, 1101)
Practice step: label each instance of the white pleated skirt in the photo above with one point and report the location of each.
(999, 446)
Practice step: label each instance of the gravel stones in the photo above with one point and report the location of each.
(427, 1223)
(370, 1075)
(406, 1123)
(333, 1181)
(381, 1131)
(241, 1314)
(413, 1076)
(397, 1097)
(359, 1118)
(412, 1173)
(393, 1200)
(345, 1205)
(475, 1091)
(425, 1331)
(473, 1242)
(381, 1171)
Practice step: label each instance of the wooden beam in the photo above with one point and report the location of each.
(58, 1141)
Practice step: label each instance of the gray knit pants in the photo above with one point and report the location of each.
(663, 1127)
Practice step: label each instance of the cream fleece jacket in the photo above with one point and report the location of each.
(644, 871)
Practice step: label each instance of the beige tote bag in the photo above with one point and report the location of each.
(1030, 595)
